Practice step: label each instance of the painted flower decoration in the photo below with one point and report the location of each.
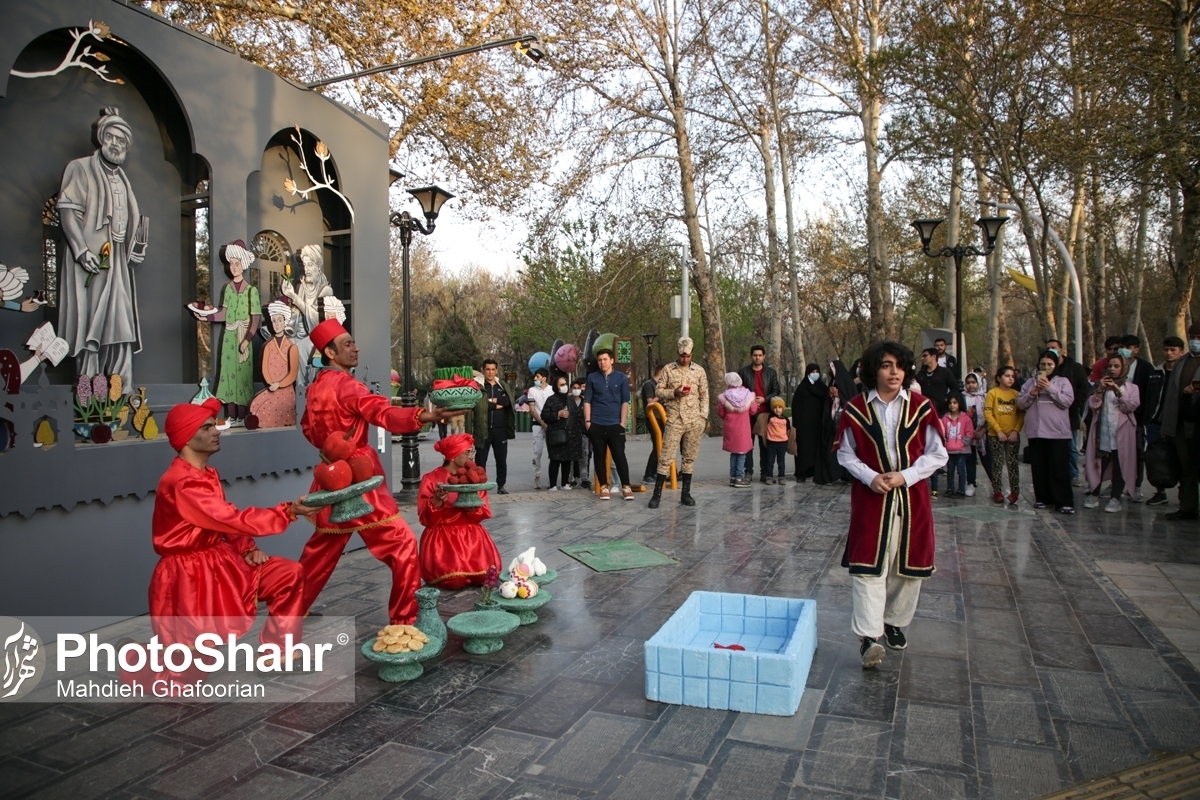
(99, 387)
(114, 388)
(321, 150)
(101, 30)
(83, 389)
(289, 185)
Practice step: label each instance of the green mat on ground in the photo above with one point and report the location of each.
(983, 514)
(610, 556)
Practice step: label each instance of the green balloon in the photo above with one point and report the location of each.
(605, 341)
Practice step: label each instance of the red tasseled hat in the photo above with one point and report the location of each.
(325, 333)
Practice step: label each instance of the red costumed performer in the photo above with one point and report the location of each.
(211, 576)
(890, 440)
(336, 402)
(456, 550)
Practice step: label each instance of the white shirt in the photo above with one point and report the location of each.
(538, 396)
(934, 457)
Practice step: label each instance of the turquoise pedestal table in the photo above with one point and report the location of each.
(484, 631)
(525, 609)
(400, 667)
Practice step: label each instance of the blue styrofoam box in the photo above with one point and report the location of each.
(695, 663)
(779, 636)
(670, 660)
(695, 692)
(670, 689)
(743, 697)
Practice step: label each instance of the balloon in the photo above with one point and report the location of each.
(539, 360)
(566, 358)
(605, 341)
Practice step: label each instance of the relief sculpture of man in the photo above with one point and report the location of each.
(106, 237)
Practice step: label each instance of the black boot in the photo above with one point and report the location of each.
(659, 480)
(685, 496)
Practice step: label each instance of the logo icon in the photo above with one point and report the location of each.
(24, 659)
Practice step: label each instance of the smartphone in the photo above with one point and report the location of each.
(1044, 373)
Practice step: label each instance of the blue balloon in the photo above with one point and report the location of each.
(539, 360)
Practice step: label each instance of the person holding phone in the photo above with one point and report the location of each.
(1112, 441)
(1046, 400)
(683, 391)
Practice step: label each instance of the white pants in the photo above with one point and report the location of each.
(890, 598)
(539, 440)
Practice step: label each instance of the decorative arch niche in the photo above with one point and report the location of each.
(46, 122)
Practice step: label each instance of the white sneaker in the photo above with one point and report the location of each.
(1113, 506)
(566, 488)
(614, 489)
(554, 488)
(970, 491)
(1092, 501)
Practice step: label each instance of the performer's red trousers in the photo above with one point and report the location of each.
(281, 587)
(392, 543)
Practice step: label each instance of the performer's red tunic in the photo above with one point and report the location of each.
(870, 513)
(456, 550)
(335, 402)
(202, 583)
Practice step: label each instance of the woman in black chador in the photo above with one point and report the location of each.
(808, 406)
(841, 390)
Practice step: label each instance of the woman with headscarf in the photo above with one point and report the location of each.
(808, 406)
(564, 432)
(841, 389)
(1111, 451)
(734, 406)
(241, 312)
(455, 549)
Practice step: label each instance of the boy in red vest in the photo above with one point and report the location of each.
(890, 439)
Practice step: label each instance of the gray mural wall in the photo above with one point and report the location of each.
(74, 518)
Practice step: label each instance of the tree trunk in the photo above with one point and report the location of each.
(1098, 259)
(1033, 245)
(883, 323)
(995, 264)
(714, 341)
(1185, 207)
(953, 223)
(775, 346)
(1134, 325)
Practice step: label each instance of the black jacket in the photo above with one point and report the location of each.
(771, 386)
(1141, 379)
(1152, 399)
(1074, 372)
(938, 386)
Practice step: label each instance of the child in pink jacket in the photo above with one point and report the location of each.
(959, 432)
(734, 406)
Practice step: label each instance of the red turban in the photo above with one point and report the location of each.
(186, 418)
(454, 446)
(325, 333)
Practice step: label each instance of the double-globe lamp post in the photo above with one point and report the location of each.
(431, 199)
(990, 226)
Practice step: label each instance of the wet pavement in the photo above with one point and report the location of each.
(1028, 670)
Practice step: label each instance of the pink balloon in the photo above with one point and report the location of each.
(567, 358)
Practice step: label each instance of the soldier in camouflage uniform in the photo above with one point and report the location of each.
(683, 391)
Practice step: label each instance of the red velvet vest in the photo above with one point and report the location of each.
(870, 513)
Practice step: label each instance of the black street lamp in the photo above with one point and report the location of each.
(990, 226)
(431, 199)
(649, 337)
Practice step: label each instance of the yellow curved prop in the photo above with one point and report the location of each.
(1023, 280)
(653, 412)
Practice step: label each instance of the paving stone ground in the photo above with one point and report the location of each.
(1028, 670)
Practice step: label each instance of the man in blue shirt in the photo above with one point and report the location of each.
(605, 409)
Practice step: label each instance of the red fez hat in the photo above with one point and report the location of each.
(325, 333)
(454, 446)
(186, 418)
